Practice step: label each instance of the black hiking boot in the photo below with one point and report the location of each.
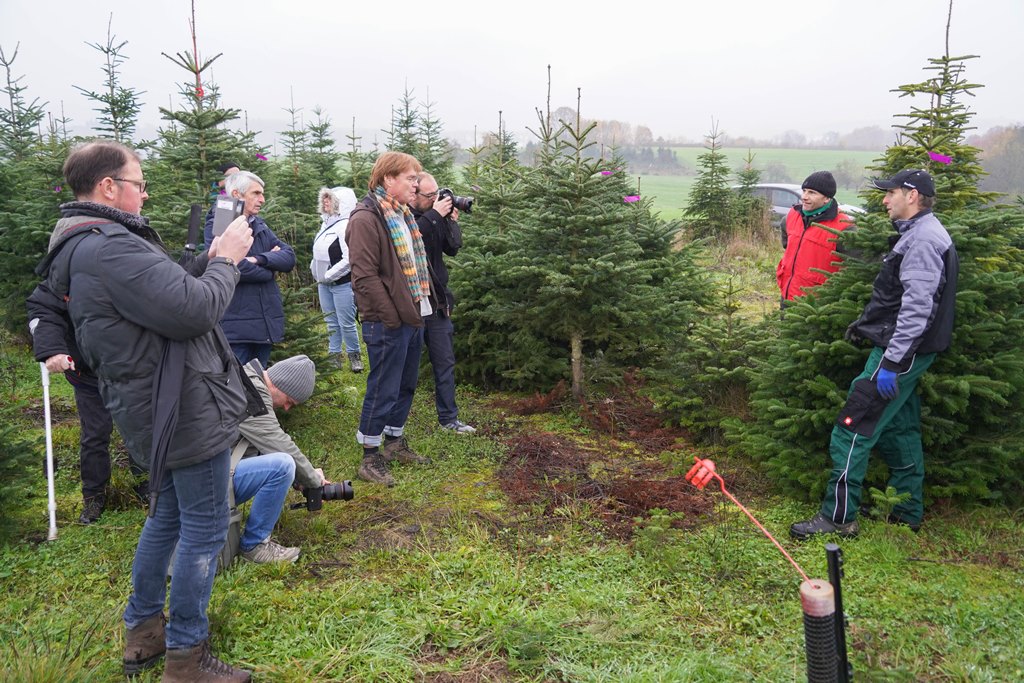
(92, 509)
(820, 524)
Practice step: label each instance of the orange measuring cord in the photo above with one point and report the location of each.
(702, 472)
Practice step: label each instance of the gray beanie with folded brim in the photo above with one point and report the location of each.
(294, 376)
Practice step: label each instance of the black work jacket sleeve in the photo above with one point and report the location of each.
(51, 332)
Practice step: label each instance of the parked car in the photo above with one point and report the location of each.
(781, 197)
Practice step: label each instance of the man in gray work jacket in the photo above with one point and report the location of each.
(909, 319)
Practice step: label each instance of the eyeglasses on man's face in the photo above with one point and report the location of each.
(428, 195)
(141, 184)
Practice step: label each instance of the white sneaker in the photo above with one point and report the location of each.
(459, 427)
(270, 551)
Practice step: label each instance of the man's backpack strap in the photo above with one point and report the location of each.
(43, 267)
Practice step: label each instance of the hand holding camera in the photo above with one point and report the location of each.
(460, 203)
(443, 205)
(235, 242)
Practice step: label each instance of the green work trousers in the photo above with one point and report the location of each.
(897, 437)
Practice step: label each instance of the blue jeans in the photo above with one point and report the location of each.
(437, 335)
(266, 480)
(339, 309)
(394, 369)
(192, 512)
(246, 351)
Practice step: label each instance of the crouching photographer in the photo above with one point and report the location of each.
(271, 462)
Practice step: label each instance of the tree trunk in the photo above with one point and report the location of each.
(576, 347)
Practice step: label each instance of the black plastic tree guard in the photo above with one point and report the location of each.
(835, 575)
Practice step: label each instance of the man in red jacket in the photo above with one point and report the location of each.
(809, 246)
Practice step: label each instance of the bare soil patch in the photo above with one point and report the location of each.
(620, 487)
(616, 474)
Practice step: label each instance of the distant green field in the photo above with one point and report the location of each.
(671, 193)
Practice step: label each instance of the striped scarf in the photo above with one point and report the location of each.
(399, 220)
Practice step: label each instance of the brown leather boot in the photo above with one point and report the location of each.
(198, 665)
(399, 449)
(144, 645)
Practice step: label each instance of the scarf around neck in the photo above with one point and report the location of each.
(399, 220)
(135, 223)
(820, 210)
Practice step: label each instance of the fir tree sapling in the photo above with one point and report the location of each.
(182, 162)
(118, 107)
(711, 211)
(30, 191)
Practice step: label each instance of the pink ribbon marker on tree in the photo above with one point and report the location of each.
(631, 198)
(260, 157)
(941, 158)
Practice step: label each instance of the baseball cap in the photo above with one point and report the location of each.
(912, 179)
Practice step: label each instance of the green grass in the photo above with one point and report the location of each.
(671, 192)
(443, 578)
(799, 163)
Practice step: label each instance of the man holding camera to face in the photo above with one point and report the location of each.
(437, 219)
(149, 331)
(270, 460)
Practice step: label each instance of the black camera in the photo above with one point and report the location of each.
(460, 203)
(315, 497)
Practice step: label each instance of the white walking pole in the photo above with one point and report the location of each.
(52, 502)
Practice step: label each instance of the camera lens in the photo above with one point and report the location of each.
(338, 491)
(464, 204)
(461, 203)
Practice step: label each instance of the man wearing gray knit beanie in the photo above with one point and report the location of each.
(270, 460)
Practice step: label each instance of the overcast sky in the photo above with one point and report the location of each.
(759, 68)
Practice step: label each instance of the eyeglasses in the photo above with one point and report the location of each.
(428, 195)
(141, 184)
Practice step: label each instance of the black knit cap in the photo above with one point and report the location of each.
(226, 165)
(821, 181)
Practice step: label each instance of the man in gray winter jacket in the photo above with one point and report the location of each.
(131, 307)
(908, 320)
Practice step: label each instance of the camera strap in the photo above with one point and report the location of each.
(166, 399)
